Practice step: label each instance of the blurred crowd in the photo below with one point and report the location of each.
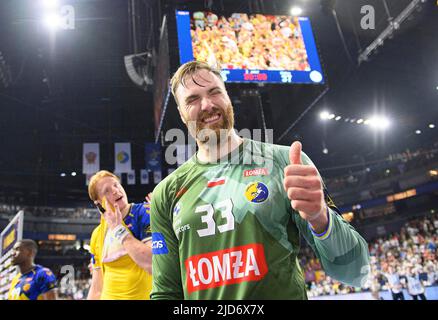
(392, 166)
(51, 212)
(407, 259)
(75, 290)
(249, 42)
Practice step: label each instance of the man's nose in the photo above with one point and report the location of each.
(206, 104)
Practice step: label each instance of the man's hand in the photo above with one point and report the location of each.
(148, 198)
(304, 188)
(112, 217)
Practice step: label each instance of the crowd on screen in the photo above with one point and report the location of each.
(408, 254)
(257, 41)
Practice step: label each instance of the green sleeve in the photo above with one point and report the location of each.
(341, 249)
(165, 257)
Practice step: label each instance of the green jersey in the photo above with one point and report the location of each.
(228, 231)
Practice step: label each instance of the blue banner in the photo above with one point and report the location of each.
(153, 156)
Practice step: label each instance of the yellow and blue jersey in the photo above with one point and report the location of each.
(123, 279)
(32, 285)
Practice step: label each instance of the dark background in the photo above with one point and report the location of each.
(73, 87)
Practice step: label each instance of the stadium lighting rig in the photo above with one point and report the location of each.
(388, 32)
(376, 122)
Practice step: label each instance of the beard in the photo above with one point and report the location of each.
(217, 132)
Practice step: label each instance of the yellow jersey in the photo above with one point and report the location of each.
(123, 279)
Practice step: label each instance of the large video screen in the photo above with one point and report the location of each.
(251, 48)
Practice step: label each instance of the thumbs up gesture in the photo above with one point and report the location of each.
(304, 188)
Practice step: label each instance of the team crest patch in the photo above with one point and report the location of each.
(26, 287)
(256, 192)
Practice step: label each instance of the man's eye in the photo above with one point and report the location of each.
(192, 100)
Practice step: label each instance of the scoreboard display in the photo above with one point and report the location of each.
(251, 47)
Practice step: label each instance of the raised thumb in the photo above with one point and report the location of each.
(295, 153)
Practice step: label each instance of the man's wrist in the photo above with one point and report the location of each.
(320, 226)
(120, 232)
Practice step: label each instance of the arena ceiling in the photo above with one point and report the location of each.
(73, 88)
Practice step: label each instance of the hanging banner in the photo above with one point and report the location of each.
(88, 178)
(144, 176)
(157, 176)
(90, 158)
(122, 157)
(152, 156)
(131, 177)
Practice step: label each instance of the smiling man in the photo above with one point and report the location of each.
(120, 246)
(227, 223)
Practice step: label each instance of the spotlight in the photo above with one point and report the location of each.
(331, 116)
(338, 118)
(63, 174)
(52, 21)
(324, 115)
(417, 131)
(73, 174)
(379, 123)
(296, 11)
(359, 121)
(431, 126)
(325, 151)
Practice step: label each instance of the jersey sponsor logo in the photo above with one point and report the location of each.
(177, 209)
(255, 172)
(159, 245)
(256, 192)
(225, 267)
(215, 182)
(182, 229)
(147, 207)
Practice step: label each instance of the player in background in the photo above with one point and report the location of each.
(227, 223)
(414, 284)
(33, 282)
(120, 246)
(394, 283)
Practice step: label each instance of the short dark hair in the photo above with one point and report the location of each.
(30, 244)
